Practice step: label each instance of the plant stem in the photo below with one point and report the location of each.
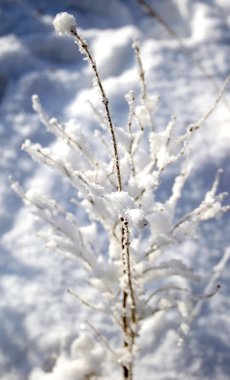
(129, 308)
(84, 48)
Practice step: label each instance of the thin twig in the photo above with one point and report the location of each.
(127, 371)
(165, 289)
(102, 339)
(204, 118)
(86, 303)
(130, 99)
(217, 271)
(141, 73)
(105, 101)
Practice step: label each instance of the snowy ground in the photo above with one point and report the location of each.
(38, 318)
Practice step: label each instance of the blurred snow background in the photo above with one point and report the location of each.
(38, 318)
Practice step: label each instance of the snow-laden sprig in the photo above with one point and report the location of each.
(209, 208)
(65, 23)
(118, 192)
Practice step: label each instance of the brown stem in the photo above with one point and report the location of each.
(84, 47)
(129, 312)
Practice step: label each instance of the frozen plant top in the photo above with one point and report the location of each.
(64, 23)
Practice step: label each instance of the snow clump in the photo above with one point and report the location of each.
(64, 23)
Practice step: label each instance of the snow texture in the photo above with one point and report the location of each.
(64, 23)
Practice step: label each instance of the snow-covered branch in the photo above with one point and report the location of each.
(119, 196)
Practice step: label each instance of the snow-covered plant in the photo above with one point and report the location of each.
(117, 177)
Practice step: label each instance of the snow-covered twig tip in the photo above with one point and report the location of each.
(64, 23)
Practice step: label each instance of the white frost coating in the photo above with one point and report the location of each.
(185, 308)
(183, 331)
(124, 357)
(143, 116)
(136, 217)
(177, 187)
(222, 263)
(124, 205)
(37, 107)
(64, 23)
(160, 222)
(121, 201)
(16, 187)
(123, 138)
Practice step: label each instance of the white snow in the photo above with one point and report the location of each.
(64, 23)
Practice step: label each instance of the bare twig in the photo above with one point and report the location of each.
(217, 271)
(130, 99)
(204, 118)
(102, 339)
(140, 70)
(141, 73)
(86, 303)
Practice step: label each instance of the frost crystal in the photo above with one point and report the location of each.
(64, 23)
